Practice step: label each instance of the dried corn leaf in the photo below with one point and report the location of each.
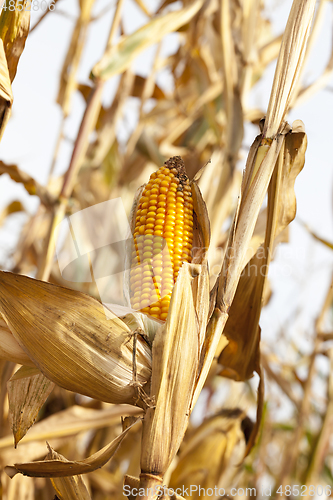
(73, 339)
(64, 468)
(13, 207)
(212, 455)
(28, 390)
(26, 452)
(68, 83)
(14, 29)
(20, 487)
(261, 162)
(119, 57)
(255, 183)
(70, 422)
(265, 150)
(33, 187)
(214, 339)
(318, 238)
(10, 349)
(293, 162)
(68, 488)
(139, 85)
(6, 95)
(201, 220)
(289, 64)
(173, 381)
(241, 356)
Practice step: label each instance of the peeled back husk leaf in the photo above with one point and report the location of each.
(176, 352)
(10, 349)
(74, 340)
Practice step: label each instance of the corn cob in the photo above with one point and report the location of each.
(163, 238)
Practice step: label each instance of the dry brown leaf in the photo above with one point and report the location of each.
(289, 64)
(64, 468)
(68, 83)
(241, 356)
(211, 455)
(119, 57)
(13, 207)
(31, 185)
(139, 85)
(293, 162)
(28, 390)
(70, 422)
(14, 29)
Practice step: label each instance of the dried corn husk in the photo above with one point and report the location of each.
(73, 340)
(10, 349)
(174, 376)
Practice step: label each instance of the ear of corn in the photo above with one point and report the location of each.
(163, 238)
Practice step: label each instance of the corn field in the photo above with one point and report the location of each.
(151, 343)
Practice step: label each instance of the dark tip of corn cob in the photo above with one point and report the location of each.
(163, 238)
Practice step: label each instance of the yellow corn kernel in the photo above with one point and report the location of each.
(163, 237)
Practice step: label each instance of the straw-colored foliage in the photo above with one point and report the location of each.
(109, 389)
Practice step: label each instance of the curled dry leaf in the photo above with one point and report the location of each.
(31, 185)
(12, 208)
(28, 390)
(74, 340)
(61, 467)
